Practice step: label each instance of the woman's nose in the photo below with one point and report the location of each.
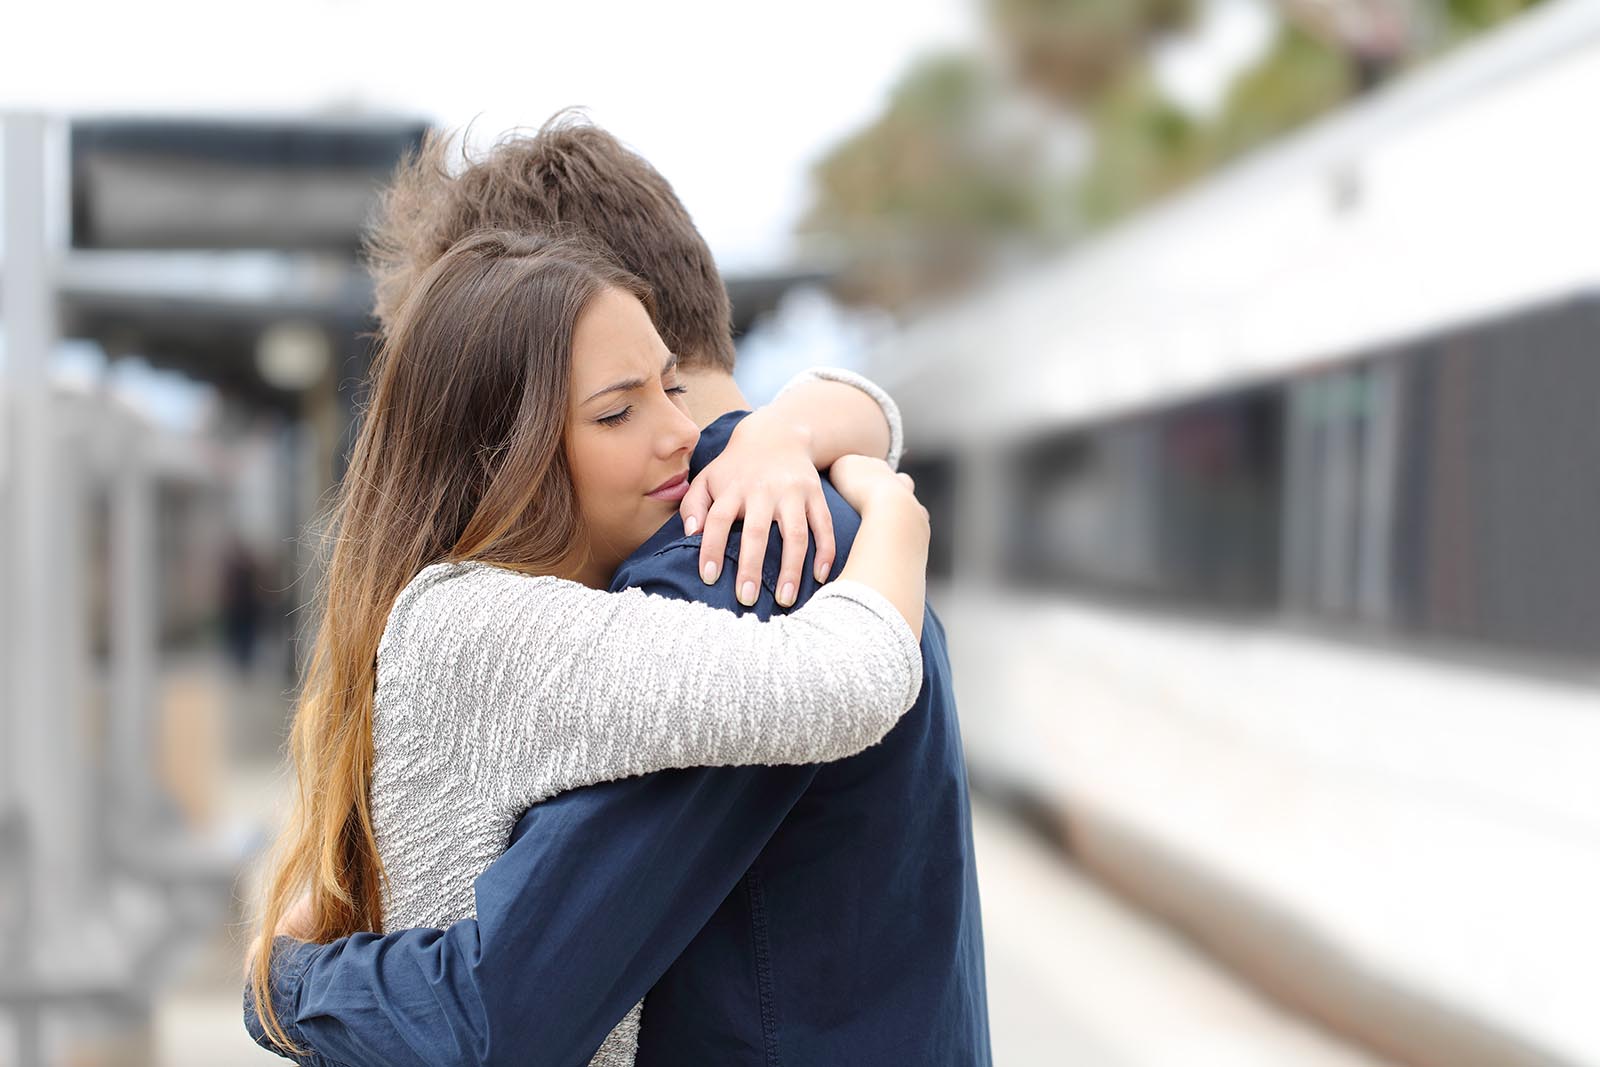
(680, 434)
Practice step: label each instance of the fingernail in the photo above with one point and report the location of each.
(690, 525)
(747, 594)
(709, 572)
(786, 597)
(822, 572)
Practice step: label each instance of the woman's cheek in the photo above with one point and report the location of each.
(620, 472)
(589, 463)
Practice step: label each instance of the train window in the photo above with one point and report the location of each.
(1177, 504)
(1444, 488)
(1448, 489)
(1343, 454)
(1498, 499)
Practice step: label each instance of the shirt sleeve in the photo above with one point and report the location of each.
(290, 961)
(534, 685)
(891, 410)
(599, 892)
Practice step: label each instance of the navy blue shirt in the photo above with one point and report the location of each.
(776, 916)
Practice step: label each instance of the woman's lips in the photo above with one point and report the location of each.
(672, 490)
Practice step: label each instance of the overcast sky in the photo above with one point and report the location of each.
(731, 100)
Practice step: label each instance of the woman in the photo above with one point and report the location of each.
(523, 437)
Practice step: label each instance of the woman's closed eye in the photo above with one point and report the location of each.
(620, 417)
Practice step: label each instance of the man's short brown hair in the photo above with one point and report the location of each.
(569, 176)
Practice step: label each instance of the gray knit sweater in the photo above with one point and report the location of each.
(496, 690)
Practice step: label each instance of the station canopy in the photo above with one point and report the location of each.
(191, 240)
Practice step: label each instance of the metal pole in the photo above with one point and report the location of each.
(34, 668)
(32, 663)
(70, 739)
(133, 637)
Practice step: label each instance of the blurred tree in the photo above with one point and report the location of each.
(1466, 17)
(951, 173)
(1073, 50)
(1299, 78)
(1328, 51)
(929, 195)
(1374, 36)
(1144, 146)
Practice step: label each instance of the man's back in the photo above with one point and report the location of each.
(854, 937)
(857, 929)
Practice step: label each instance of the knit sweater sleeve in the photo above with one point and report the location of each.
(533, 685)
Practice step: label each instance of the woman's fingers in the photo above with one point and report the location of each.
(821, 533)
(694, 506)
(714, 542)
(793, 528)
(798, 506)
(753, 549)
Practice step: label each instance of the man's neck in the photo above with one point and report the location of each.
(712, 394)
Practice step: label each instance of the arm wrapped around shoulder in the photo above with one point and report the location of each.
(539, 685)
(891, 410)
(876, 679)
(700, 686)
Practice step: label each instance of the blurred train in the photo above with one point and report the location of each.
(1267, 532)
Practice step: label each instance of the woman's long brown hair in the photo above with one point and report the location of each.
(460, 456)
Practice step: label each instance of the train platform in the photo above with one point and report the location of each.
(1079, 976)
(1076, 976)
(1239, 886)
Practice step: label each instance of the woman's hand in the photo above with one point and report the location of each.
(890, 552)
(296, 922)
(865, 483)
(767, 472)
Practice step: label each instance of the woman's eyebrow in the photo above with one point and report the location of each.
(630, 384)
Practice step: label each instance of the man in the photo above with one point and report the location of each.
(817, 915)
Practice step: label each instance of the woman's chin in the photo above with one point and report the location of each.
(648, 522)
(659, 512)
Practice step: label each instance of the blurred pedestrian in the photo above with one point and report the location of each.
(243, 605)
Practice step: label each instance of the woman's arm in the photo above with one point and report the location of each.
(535, 685)
(769, 473)
(892, 556)
(842, 413)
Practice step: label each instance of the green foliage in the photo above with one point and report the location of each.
(1470, 16)
(920, 199)
(1299, 79)
(925, 163)
(922, 191)
(1071, 50)
(1144, 147)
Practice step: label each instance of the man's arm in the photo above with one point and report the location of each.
(599, 892)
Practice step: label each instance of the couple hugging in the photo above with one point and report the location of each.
(587, 771)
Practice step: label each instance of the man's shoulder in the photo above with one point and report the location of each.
(670, 554)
